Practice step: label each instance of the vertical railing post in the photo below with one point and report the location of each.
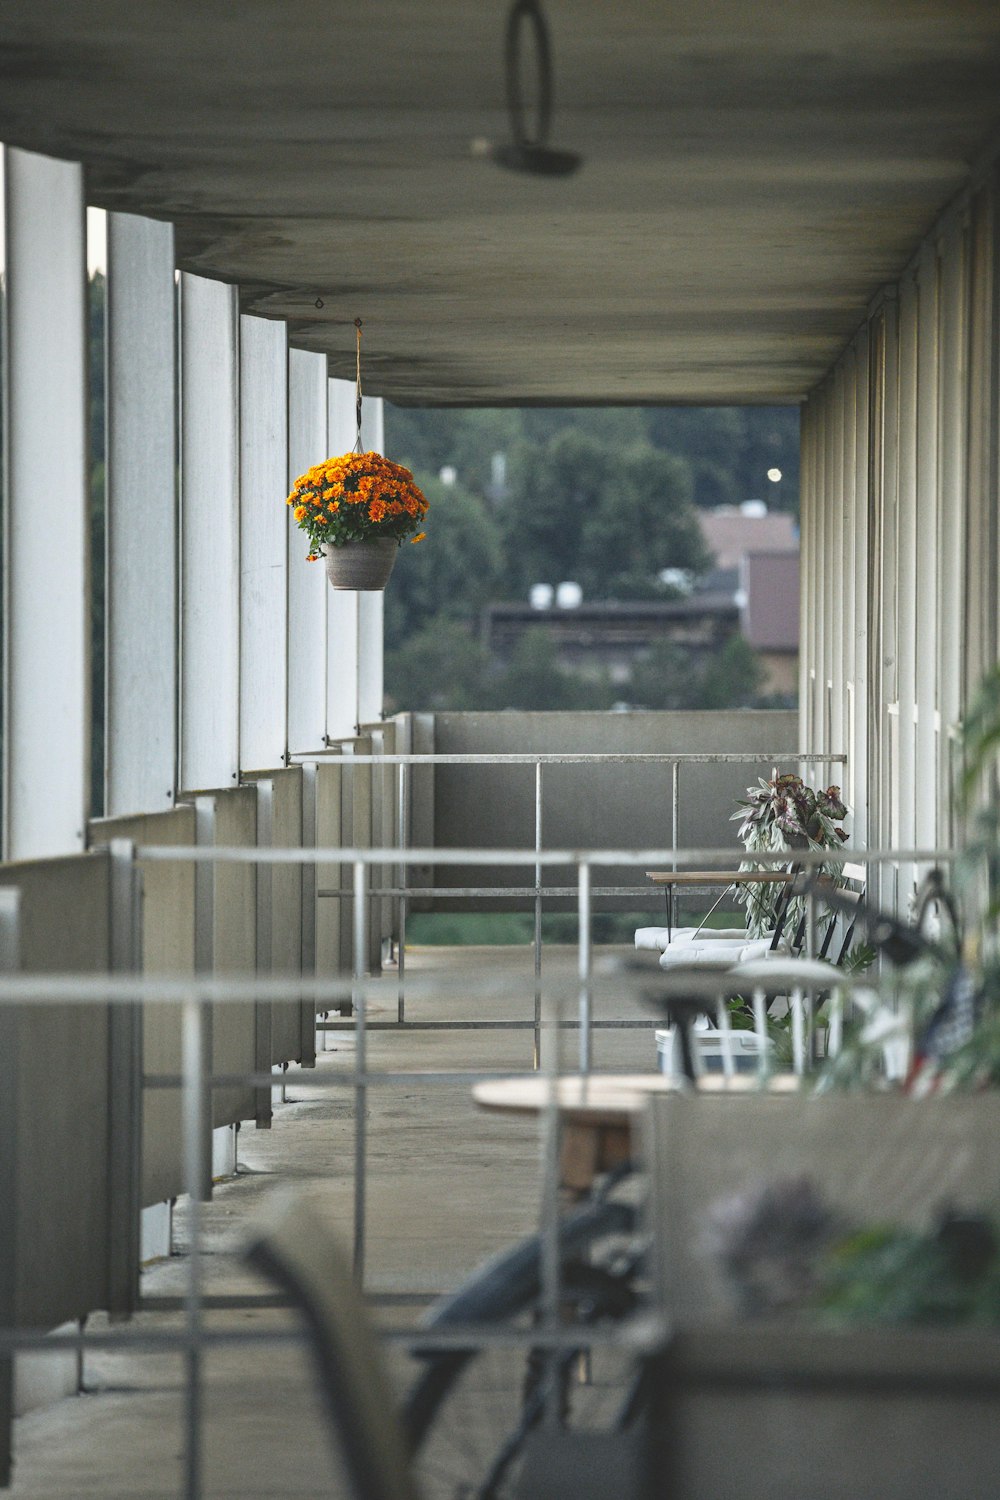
(585, 964)
(403, 813)
(263, 1009)
(10, 963)
(125, 1041)
(538, 915)
(360, 1065)
(196, 1120)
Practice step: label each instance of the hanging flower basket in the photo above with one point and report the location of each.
(361, 565)
(356, 510)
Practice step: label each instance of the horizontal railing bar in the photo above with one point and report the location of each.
(487, 892)
(807, 858)
(348, 1022)
(350, 1079)
(578, 758)
(642, 1331)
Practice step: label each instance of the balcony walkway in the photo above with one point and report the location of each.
(447, 1185)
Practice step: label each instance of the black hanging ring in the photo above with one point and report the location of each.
(527, 13)
(318, 302)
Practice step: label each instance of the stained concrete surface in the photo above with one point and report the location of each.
(447, 1185)
(752, 175)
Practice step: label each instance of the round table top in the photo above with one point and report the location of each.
(608, 1098)
(598, 1098)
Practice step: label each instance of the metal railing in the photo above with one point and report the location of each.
(403, 891)
(196, 993)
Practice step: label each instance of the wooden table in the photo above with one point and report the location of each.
(710, 880)
(597, 1113)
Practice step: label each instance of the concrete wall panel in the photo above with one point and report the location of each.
(611, 806)
(63, 1187)
(168, 905)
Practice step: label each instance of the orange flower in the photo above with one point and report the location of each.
(418, 538)
(333, 506)
(299, 512)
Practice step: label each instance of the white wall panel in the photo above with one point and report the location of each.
(906, 562)
(950, 611)
(342, 606)
(925, 650)
(859, 616)
(142, 646)
(210, 537)
(264, 533)
(308, 444)
(47, 606)
(371, 603)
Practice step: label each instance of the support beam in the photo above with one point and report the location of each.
(307, 585)
(371, 603)
(141, 697)
(342, 612)
(210, 541)
(263, 544)
(46, 707)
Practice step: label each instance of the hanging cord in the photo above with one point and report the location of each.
(357, 387)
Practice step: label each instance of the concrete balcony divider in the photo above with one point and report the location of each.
(587, 806)
(166, 946)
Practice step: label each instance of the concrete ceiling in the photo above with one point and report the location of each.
(752, 174)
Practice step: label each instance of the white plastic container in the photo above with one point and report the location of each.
(707, 1046)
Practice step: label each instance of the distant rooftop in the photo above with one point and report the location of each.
(769, 584)
(731, 531)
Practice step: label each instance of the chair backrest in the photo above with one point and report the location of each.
(295, 1246)
(850, 888)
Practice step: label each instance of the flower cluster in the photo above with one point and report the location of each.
(355, 498)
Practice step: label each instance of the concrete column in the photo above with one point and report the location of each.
(308, 444)
(906, 565)
(142, 654)
(342, 608)
(861, 602)
(371, 603)
(264, 534)
(951, 519)
(926, 713)
(210, 534)
(46, 697)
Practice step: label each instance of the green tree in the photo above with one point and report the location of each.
(733, 676)
(555, 486)
(535, 680)
(643, 521)
(455, 572)
(440, 667)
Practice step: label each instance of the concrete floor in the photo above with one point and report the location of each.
(447, 1186)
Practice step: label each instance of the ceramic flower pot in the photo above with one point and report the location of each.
(361, 565)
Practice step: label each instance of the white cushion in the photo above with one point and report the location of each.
(721, 955)
(658, 938)
(709, 934)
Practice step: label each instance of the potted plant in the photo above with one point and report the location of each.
(356, 510)
(784, 814)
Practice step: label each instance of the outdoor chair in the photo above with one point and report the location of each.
(295, 1247)
(658, 939)
(718, 955)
